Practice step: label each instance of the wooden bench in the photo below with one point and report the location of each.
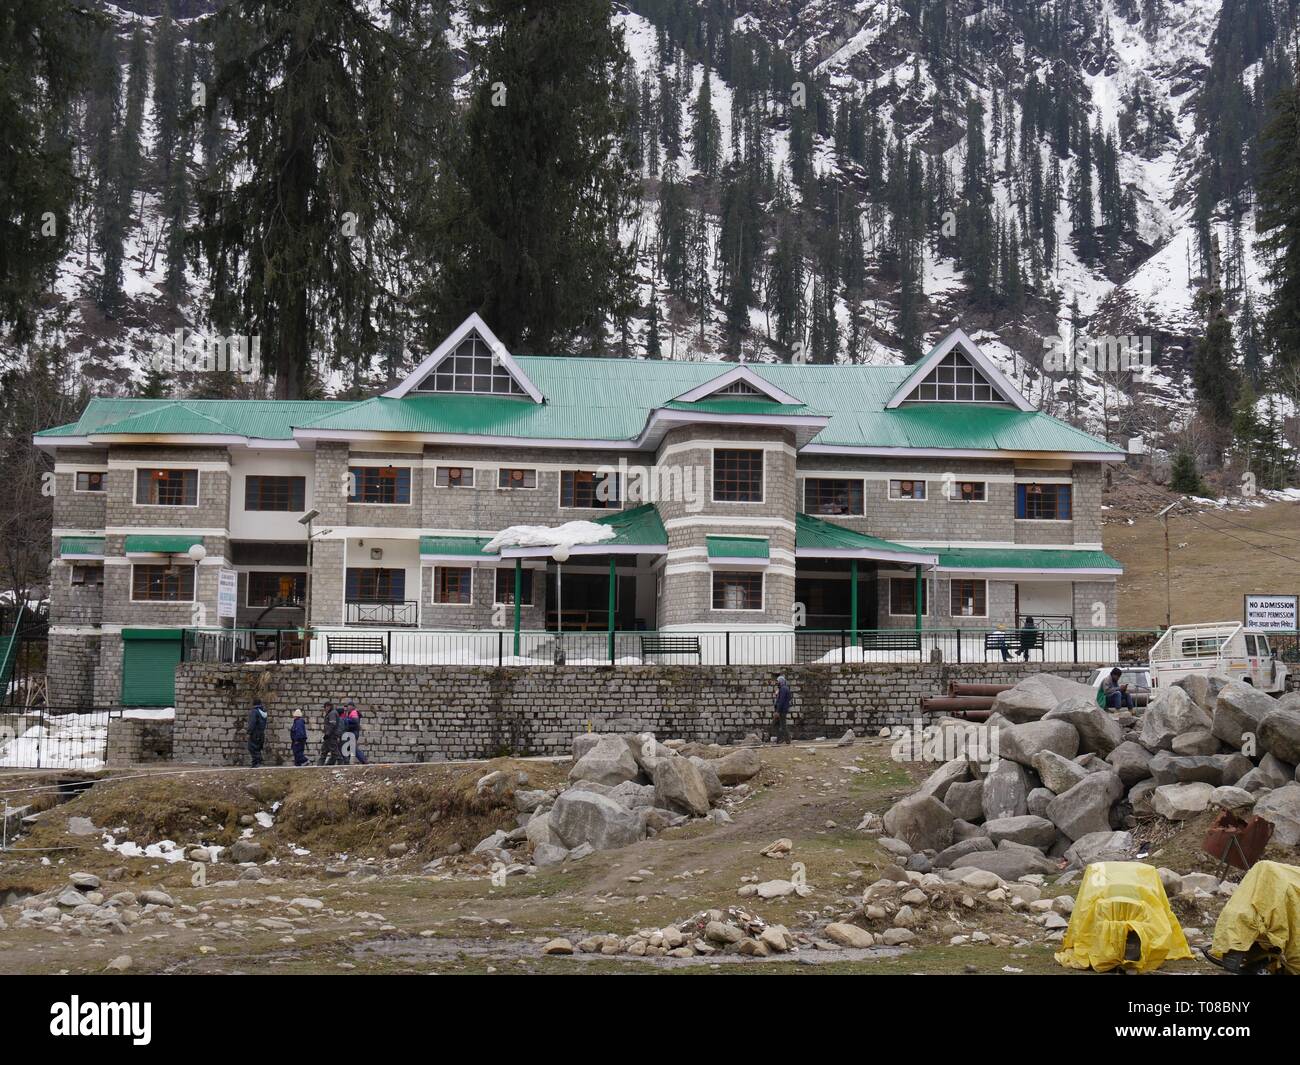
(1014, 642)
(671, 645)
(903, 640)
(355, 645)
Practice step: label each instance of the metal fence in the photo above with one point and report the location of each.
(54, 737)
(499, 647)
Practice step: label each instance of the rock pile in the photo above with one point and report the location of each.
(1070, 777)
(707, 933)
(622, 788)
(84, 907)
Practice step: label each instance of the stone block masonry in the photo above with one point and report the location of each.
(422, 713)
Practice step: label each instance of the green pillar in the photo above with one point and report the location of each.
(612, 578)
(918, 597)
(853, 599)
(519, 587)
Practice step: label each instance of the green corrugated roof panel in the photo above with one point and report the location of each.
(813, 533)
(60, 430)
(738, 547)
(142, 544)
(611, 399)
(469, 546)
(81, 546)
(1022, 558)
(638, 527)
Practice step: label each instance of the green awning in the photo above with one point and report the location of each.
(454, 546)
(746, 547)
(1026, 559)
(636, 527)
(151, 634)
(81, 547)
(815, 538)
(160, 545)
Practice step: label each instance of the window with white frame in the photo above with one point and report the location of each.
(162, 583)
(968, 491)
(454, 477)
(904, 489)
(832, 495)
(514, 477)
(955, 380)
(167, 488)
(87, 575)
(91, 481)
(740, 590)
(590, 490)
(453, 585)
(968, 598)
(738, 475)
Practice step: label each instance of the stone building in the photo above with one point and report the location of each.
(739, 498)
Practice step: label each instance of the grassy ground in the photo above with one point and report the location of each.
(1215, 557)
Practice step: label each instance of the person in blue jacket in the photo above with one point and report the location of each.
(298, 738)
(256, 732)
(781, 704)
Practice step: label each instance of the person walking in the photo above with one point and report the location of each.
(298, 738)
(781, 704)
(352, 728)
(256, 732)
(330, 736)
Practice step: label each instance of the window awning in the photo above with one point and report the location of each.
(815, 538)
(160, 545)
(81, 547)
(1015, 561)
(751, 550)
(454, 549)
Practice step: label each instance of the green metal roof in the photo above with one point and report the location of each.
(814, 534)
(1022, 558)
(737, 547)
(160, 545)
(638, 527)
(612, 399)
(469, 546)
(81, 546)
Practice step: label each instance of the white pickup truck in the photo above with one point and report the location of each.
(1223, 647)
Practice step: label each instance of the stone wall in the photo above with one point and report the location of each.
(132, 741)
(422, 713)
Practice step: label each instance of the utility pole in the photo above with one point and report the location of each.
(1164, 520)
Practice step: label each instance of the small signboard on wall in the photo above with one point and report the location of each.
(1272, 612)
(227, 594)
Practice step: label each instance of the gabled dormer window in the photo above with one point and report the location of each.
(471, 368)
(955, 380)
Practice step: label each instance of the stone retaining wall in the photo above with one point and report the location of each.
(132, 741)
(423, 713)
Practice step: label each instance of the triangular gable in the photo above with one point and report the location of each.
(961, 348)
(471, 329)
(740, 382)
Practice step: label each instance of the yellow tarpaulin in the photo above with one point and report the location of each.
(1114, 899)
(1264, 909)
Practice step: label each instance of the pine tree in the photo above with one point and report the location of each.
(293, 211)
(1278, 218)
(706, 131)
(43, 65)
(1183, 476)
(1214, 374)
(542, 185)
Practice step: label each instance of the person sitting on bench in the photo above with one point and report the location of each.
(1028, 638)
(1117, 695)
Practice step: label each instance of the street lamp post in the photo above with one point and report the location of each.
(561, 555)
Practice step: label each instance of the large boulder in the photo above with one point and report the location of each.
(679, 785)
(1270, 773)
(948, 774)
(1178, 802)
(950, 855)
(608, 762)
(645, 750)
(1169, 713)
(1282, 807)
(1058, 774)
(633, 795)
(1038, 800)
(1005, 791)
(539, 830)
(712, 785)
(1240, 709)
(1131, 761)
(1007, 863)
(1279, 735)
(1028, 700)
(1098, 731)
(738, 766)
(966, 800)
(1100, 847)
(1021, 743)
(1086, 806)
(1030, 830)
(587, 817)
(584, 742)
(1196, 741)
(1064, 688)
(920, 821)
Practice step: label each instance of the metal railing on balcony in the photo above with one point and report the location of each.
(373, 643)
(382, 614)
